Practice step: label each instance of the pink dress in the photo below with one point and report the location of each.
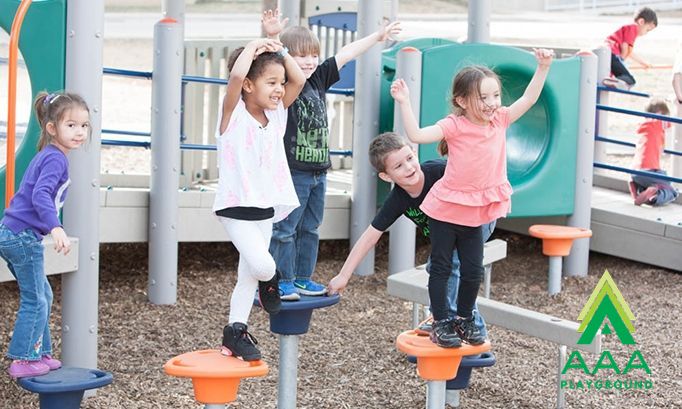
(474, 189)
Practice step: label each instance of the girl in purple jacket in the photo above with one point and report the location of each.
(32, 214)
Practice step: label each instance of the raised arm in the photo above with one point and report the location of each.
(401, 95)
(354, 49)
(365, 243)
(532, 93)
(295, 80)
(272, 25)
(238, 74)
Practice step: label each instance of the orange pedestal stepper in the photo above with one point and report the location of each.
(435, 364)
(215, 376)
(556, 243)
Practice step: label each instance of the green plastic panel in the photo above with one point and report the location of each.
(541, 146)
(42, 45)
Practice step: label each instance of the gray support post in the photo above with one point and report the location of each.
(452, 397)
(163, 192)
(365, 128)
(603, 71)
(292, 10)
(402, 240)
(560, 398)
(676, 161)
(554, 281)
(435, 394)
(84, 40)
(288, 372)
(576, 263)
(215, 406)
(479, 21)
(174, 9)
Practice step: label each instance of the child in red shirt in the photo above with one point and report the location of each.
(648, 189)
(622, 42)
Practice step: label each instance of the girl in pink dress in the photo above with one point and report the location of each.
(474, 189)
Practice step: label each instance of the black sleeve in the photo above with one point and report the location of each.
(393, 208)
(326, 74)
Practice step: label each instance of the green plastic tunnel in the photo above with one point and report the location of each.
(541, 145)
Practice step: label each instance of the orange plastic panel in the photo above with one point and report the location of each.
(557, 240)
(215, 376)
(433, 362)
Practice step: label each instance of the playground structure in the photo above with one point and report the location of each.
(192, 206)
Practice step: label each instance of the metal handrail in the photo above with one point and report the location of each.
(637, 172)
(639, 113)
(625, 143)
(12, 97)
(623, 91)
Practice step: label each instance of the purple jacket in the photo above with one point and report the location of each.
(41, 194)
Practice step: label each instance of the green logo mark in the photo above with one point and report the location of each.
(605, 302)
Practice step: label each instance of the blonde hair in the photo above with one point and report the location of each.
(52, 108)
(300, 41)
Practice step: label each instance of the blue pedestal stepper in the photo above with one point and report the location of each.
(64, 387)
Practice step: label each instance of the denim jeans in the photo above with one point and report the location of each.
(295, 240)
(666, 192)
(453, 282)
(23, 253)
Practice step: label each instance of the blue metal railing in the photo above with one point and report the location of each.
(625, 143)
(639, 113)
(623, 91)
(637, 172)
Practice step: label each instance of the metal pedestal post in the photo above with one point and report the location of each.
(288, 371)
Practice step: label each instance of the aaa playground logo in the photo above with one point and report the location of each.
(607, 310)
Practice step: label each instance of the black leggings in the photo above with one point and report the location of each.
(619, 70)
(445, 237)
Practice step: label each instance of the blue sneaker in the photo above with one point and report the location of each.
(287, 291)
(309, 287)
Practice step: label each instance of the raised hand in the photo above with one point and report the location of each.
(389, 30)
(272, 25)
(263, 45)
(399, 91)
(543, 56)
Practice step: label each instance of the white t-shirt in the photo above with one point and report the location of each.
(253, 169)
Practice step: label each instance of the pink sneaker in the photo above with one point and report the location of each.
(51, 362)
(23, 369)
(647, 195)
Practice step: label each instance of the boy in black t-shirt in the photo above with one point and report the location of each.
(396, 162)
(295, 240)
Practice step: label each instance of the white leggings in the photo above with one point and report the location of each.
(251, 238)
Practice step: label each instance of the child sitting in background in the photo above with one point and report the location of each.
(622, 41)
(649, 189)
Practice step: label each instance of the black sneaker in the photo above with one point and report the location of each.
(268, 294)
(468, 331)
(239, 342)
(443, 334)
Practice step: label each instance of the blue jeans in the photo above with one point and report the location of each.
(666, 192)
(23, 253)
(453, 282)
(295, 240)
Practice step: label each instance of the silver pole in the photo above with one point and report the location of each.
(435, 394)
(452, 397)
(554, 282)
(560, 398)
(174, 9)
(479, 21)
(676, 162)
(84, 28)
(576, 263)
(402, 240)
(365, 128)
(215, 406)
(603, 71)
(292, 10)
(288, 372)
(163, 192)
